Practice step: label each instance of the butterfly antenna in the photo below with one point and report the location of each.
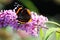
(17, 5)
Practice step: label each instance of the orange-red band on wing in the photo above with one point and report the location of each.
(28, 11)
(18, 10)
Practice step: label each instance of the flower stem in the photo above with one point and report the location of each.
(54, 23)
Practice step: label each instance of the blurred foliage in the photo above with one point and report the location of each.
(5, 2)
(1, 6)
(57, 2)
(57, 35)
(51, 24)
(29, 4)
(49, 32)
(8, 34)
(41, 34)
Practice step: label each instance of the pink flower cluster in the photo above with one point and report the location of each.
(34, 26)
(7, 18)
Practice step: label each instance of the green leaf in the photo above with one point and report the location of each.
(50, 31)
(52, 24)
(30, 5)
(58, 35)
(9, 29)
(41, 34)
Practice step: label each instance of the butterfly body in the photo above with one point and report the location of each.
(23, 14)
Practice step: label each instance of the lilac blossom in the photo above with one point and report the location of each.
(7, 18)
(34, 26)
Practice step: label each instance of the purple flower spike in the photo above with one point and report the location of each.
(34, 26)
(7, 17)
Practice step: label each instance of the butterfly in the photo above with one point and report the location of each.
(23, 14)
